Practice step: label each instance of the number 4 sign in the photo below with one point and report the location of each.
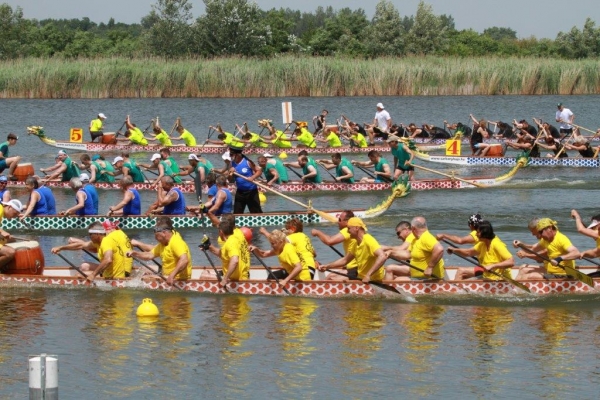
(453, 147)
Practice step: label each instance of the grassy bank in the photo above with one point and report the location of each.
(289, 76)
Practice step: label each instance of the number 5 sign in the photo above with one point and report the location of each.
(453, 147)
(76, 135)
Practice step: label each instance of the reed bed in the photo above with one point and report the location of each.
(295, 76)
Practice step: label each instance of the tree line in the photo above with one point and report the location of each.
(240, 28)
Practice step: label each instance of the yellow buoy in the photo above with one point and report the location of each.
(283, 155)
(147, 309)
(262, 198)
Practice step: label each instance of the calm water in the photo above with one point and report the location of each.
(233, 346)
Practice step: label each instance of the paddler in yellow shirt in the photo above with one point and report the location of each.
(556, 246)
(491, 252)
(173, 251)
(133, 134)
(234, 254)
(367, 252)
(251, 138)
(111, 253)
(303, 136)
(225, 138)
(343, 236)
(404, 233)
(277, 138)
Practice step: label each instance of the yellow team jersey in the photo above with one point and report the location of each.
(359, 139)
(557, 248)
(497, 252)
(257, 141)
(137, 137)
(237, 232)
(96, 125)
(304, 248)
(334, 140)
(288, 260)
(474, 236)
(231, 140)
(420, 253)
(281, 140)
(234, 247)
(163, 138)
(347, 244)
(188, 138)
(170, 254)
(410, 238)
(117, 242)
(364, 254)
(306, 138)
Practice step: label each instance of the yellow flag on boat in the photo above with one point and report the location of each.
(76, 135)
(453, 147)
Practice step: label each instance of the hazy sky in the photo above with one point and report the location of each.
(540, 18)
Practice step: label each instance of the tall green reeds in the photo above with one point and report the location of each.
(295, 76)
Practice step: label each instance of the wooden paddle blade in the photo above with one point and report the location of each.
(516, 283)
(580, 276)
(326, 216)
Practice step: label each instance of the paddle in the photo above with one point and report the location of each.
(270, 272)
(580, 276)
(366, 171)
(322, 214)
(296, 173)
(378, 284)
(143, 264)
(330, 174)
(504, 278)
(479, 185)
(212, 264)
(585, 129)
(76, 268)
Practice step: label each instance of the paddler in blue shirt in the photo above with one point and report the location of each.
(170, 200)
(247, 191)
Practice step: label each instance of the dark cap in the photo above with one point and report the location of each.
(12, 136)
(235, 150)
(559, 105)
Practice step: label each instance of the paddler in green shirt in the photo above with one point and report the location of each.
(225, 138)
(344, 171)
(310, 171)
(163, 168)
(273, 169)
(165, 154)
(64, 166)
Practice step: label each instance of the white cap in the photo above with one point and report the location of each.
(155, 156)
(268, 155)
(393, 138)
(193, 157)
(14, 203)
(226, 157)
(84, 177)
(101, 116)
(117, 159)
(61, 152)
(380, 105)
(593, 224)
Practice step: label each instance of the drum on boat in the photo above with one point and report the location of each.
(29, 259)
(495, 151)
(24, 171)
(331, 128)
(108, 138)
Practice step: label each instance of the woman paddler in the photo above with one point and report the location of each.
(247, 191)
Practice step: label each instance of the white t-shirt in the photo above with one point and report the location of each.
(564, 115)
(382, 118)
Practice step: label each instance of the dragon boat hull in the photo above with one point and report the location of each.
(320, 288)
(510, 161)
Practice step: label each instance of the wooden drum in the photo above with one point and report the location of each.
(331, 128)
(495, 151)
(29, 259)
(108, 138)
(24, 171)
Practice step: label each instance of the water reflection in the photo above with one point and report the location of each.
(421, 338)
(363, 334)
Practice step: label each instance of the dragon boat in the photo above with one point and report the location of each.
(298, 187)
(422, 144)
(60, 223)
(65, 277)
(581, 162)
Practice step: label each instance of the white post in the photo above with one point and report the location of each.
(286, 112)
(43, 377)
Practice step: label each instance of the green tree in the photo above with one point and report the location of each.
(428, 35)
(169, 34)
(500, 34)
(13, 32)
(231, 27)
(579, 43)
(384, 36)
(341, 34)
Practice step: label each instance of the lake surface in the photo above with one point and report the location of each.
(235, 346)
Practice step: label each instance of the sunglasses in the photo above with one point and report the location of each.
(157, 230)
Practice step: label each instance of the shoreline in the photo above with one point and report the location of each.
(291, 76)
